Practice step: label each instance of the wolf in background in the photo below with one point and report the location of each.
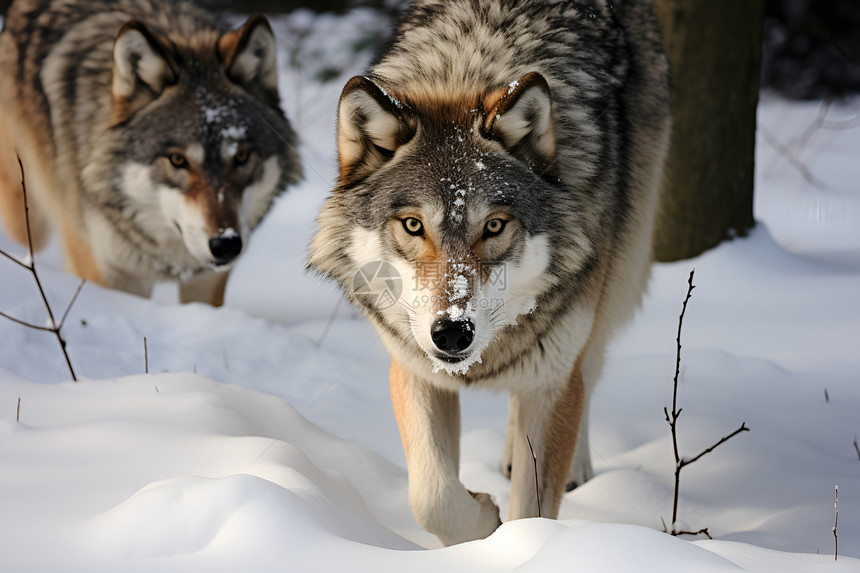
(150, 135)
(521, 140)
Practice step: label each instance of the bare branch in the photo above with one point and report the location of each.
(791, 158)
(856, 448)
(690, 287)
(145, 357)
(801, 140)
(54, 327)
(15, 260)
(743, 428)
(821, 122)
(700, 532)
(537, 485)
(839, 125)
(835, 523)
(672, 419)
(25, 323)
(71, 303)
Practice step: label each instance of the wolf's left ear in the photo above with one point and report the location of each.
(143, 66)
(249, 57)
(371, 126)
(520, 117)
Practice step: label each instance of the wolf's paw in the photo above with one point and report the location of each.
(489, 520)
(477, 524)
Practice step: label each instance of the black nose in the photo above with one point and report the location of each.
(225, 247)
(452, 335)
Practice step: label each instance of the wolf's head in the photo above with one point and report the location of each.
(199, 145)
(443, 225)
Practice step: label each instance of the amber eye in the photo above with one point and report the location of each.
(494, 227)
(413, 226)
(178, 160)
(242, 156)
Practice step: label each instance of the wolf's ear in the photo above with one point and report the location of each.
(142, 67)
(520, 117)
(371, 125)
(249, 57)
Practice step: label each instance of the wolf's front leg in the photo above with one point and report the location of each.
(207, 287)
(550, 421)
(429, 422)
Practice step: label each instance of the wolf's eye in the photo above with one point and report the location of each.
(178, 160)
(242, 156)
(413, 226)
(494, 227)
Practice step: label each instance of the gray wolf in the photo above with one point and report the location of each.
(150, 135)
(504, 158)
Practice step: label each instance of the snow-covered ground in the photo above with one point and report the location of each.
(263, 437)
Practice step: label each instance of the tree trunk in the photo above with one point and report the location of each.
(715, 51)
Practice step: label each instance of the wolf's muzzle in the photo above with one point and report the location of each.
(225, 247)
(452, 337)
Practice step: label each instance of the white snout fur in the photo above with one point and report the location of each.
(257, 197)
(194, 228)
(161, 209)
(495, 304)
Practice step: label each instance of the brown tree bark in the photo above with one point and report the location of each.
(715, 51)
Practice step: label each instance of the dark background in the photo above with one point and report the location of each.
(811, 47)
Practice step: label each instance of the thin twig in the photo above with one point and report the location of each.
(71, 302)
(675, 411)
(145, 357)
(537, 486)
(703, 531)
(841, 124)
(856, 448)
(724, 439)
(54, 326)
(835, 523)
(791, 158)
(18, 413)
(25, 323)
(672, 419)
(801, 140)
(15, 260)
(821, 122)
(329, 323)
(30, 243)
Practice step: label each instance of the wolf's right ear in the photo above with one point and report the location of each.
(142, 68)
(371, 126)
